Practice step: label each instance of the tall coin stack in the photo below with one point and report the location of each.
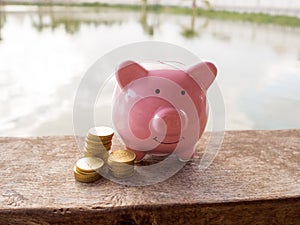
(98, 142)
(87, 169)
(121, 163)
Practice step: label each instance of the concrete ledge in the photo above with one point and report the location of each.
(255, 178)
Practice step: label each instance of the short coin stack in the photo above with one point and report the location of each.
(121, 163)
(98, 142)
(87, 169)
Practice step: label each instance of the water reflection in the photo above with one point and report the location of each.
(68, 19)
(72, 18)
(189, 32)
(147, 26)
(45, 51)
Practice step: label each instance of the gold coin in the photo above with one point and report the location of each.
(122, 175)
(101, 131)
(97, 143)
(87, 145)
(86, 178)
(91, 154)
(88, 164)
(92, 138)
(88, 154)
(101, 138)
(82, 173)
(92, 148)
(89, 180)
(119, 166)
(99, 155)
(96, 151)
(97, 139)
(122, 156)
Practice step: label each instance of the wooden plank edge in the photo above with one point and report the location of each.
(276, 211)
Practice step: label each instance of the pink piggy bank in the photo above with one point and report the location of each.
(163, 109)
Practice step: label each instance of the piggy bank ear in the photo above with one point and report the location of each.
(204, 74)
(129, 71)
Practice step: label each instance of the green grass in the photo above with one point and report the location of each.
(259, 18)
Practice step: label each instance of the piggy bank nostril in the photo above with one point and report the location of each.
(158, 124)
(167, 120)
(172, 121)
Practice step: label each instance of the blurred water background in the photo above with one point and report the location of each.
(45, 51)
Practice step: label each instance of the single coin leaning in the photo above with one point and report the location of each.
(88, 164)
(101, 131)
(122, 156)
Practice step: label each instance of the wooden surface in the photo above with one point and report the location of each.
(255, 179)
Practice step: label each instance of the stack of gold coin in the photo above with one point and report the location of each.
(98, 142)
(121, 163)
(87, 169)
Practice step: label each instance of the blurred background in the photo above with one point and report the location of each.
(47, 46)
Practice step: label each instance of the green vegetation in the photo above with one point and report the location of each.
(70, 25)
(258, 18)
(189, 33)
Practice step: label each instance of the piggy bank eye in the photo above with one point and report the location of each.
(183, 92)
(157, 91)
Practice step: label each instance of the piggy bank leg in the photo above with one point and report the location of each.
(139, 154)
(186, 154)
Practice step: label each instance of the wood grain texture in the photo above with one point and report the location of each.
(255, 179)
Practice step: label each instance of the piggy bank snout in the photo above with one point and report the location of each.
(169, 120)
